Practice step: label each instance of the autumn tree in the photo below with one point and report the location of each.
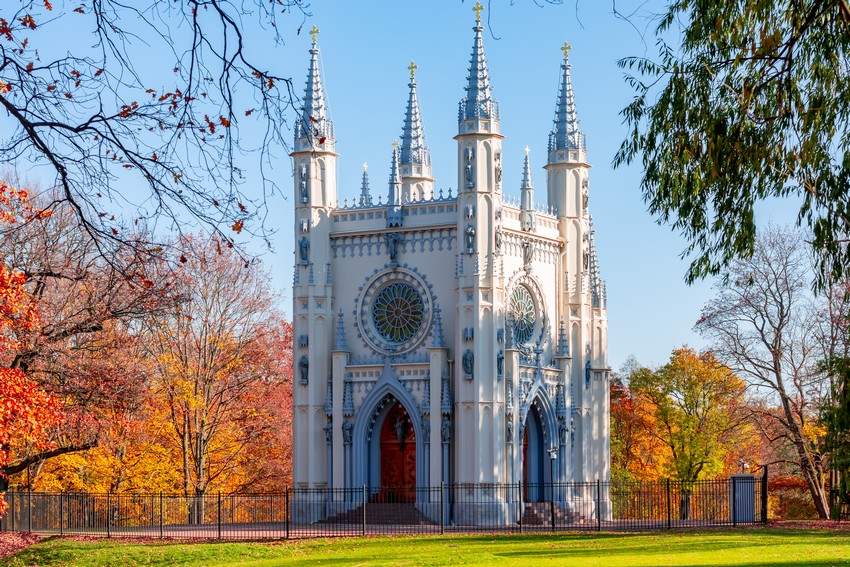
(79, 349)
(636, 454)
(753, 103)
(693, 402)
(762, 324)
(27, 412)
(219, 356)
(148, 95)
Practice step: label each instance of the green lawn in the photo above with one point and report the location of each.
(740, 548)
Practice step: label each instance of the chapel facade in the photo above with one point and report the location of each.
(456, 337)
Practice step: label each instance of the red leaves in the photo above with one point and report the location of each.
(28, 22)
(5, 30)
(48, 5)
(237, 226)
(210, 124)
(5, 87)
(128, 109)
(224, 121)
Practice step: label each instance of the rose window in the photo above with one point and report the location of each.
(523, 312)
(397, 312)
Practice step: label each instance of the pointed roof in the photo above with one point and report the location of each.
(526, 172)
(565, 133)
(414, 149)
(314, 123)
(395, 178)
(478, 102)
(365, 196)
(597, 285)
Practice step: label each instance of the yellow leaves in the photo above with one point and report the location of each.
(5, 87)
(237, 226)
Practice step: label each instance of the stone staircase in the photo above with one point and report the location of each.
(402, 514)
(540, 514)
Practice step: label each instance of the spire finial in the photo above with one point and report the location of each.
(395, 145)
(477, 9)
(313, 33)
(412, 68)
(365, 167)
(526, 151)
(566, 49)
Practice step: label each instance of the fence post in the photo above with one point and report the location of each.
(364, 509)
(598, 505)
(29, 510)
(219, 514)
(764, 496)
(442, 508)
(61, 513)
(669, 518)
(108, 520)
(521, 506)
(161, 516)
(734, 503)
(552, 508)
(286, 510)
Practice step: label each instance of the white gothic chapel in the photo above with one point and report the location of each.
(447, 338)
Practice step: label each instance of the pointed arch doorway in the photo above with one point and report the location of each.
(535, 470)
(398, 455)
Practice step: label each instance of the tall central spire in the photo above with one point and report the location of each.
(478, 102)
(565, 133)
(414, 150)
(314, 125)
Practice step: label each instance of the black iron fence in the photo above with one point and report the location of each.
(299, 513)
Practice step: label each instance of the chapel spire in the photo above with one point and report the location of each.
(394, 211)
(565, 134)
(527, 195)
(597, 284)
(414, 149)
(314, 126)
(478, 103)
(365, 196)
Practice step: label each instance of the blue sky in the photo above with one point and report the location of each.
(366, 48)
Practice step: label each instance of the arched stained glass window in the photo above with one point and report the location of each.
(397, 312)
(524, 314)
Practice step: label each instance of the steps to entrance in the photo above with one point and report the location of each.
(540, 514)
(382, 514)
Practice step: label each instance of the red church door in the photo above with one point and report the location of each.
(398, 456)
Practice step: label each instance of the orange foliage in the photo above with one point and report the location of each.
(26, 411)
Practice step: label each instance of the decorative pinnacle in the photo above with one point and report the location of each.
(313, 33)
(477, 9)
(526, 151)
(566, 49)
(412, 68)
(365, 167)
(395, 145)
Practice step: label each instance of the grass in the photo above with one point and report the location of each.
(740, 548)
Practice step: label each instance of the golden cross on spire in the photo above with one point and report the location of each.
(412, 68)
(314, 32)
(526, 151)
(566, 49)
(477, 9)
(395, 144)
(365, 167)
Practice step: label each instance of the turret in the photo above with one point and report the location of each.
(567, 160)
(415, 157)
(314, 128)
